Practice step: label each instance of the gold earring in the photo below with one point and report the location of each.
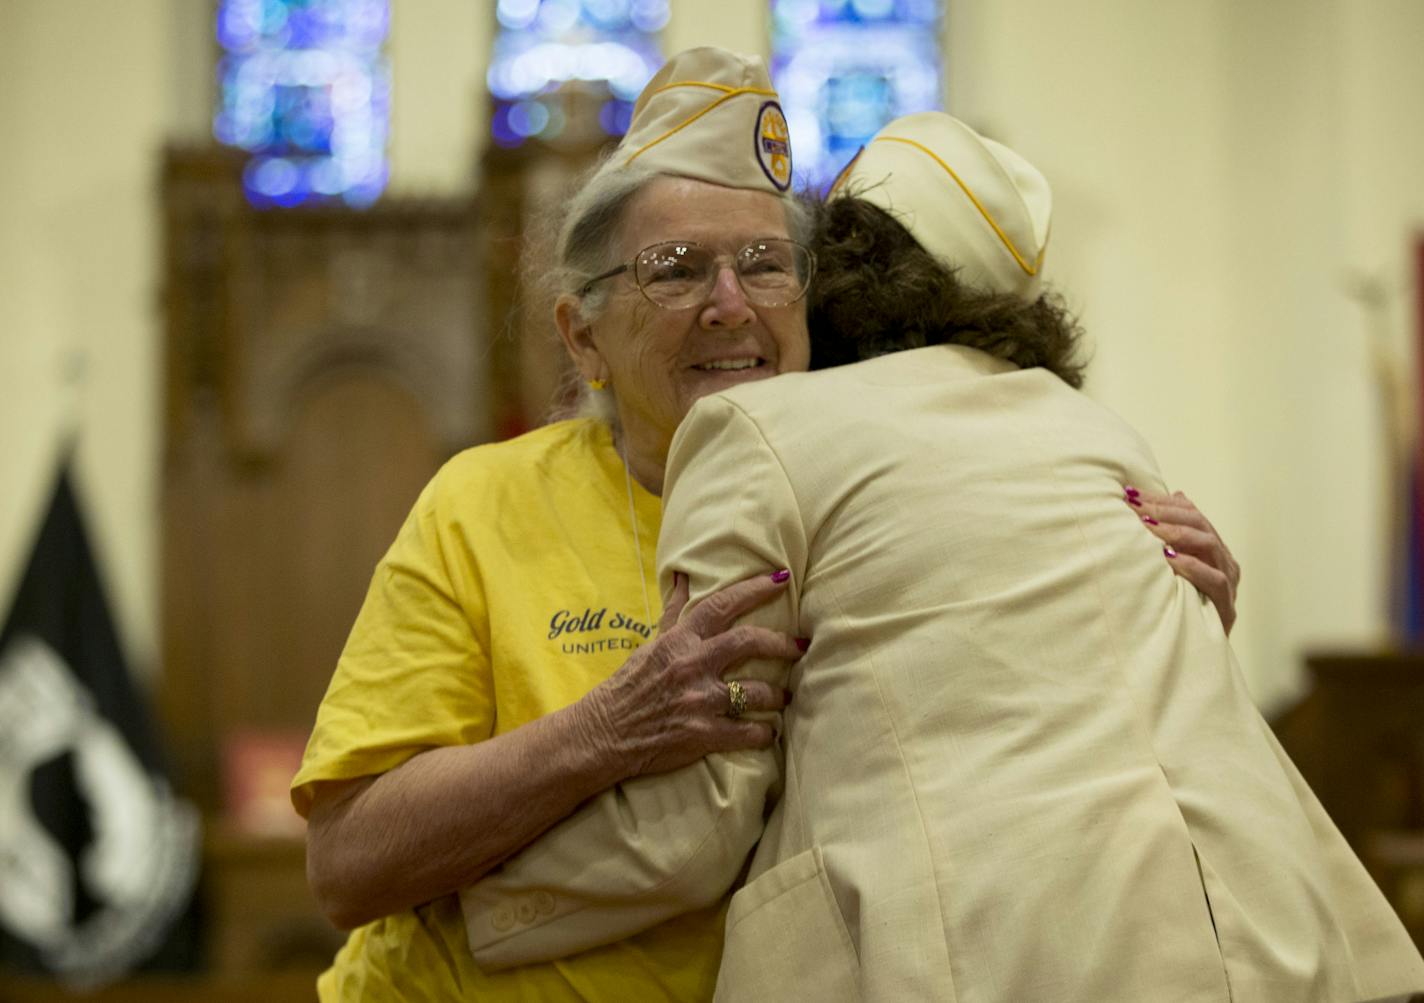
(598, 384)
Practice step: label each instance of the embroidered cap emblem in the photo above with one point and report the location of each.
(773, 145)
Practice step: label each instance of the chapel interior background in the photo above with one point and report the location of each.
(270, 282)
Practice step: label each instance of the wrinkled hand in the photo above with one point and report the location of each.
(667, 706)
(1194, 549)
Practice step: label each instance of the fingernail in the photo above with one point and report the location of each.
(1169, 552)
(803, 643)
(1132, 500)
(1131, 491)
(1149, 520)
(780, 576)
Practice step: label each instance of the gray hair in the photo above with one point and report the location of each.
(580, 234)
(588, 230)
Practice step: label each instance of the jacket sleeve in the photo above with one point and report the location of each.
(654, 847)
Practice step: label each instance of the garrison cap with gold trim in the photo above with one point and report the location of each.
(972, 202)
(710, 114)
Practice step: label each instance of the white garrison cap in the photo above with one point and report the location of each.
(710, 114)
(971, 202)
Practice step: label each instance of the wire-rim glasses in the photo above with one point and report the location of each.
(676, 274)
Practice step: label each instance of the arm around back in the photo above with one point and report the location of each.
(409, 793)
(658, 846)
(378, 845)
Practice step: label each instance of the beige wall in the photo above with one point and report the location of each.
(439, 111)
(1221, 170)
(84, 106)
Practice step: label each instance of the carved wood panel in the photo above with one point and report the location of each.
(321, 365)
(1358, 741)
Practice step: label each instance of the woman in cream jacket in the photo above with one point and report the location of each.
(1020, 762)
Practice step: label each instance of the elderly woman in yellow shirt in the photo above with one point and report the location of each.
(506, 665)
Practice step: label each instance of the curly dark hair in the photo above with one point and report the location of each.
(878, 291)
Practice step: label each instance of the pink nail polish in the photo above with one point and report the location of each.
(803, 643)
(1149, 520)
(1131, 491)
(1132, 500)
(780, 576)
(1169, 552)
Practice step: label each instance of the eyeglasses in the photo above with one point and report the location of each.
(679, 274)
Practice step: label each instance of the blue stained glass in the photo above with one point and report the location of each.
(846, 67)
(543, 45)
(500, 129)
(616, 116)
(528, 118)
(306, 90)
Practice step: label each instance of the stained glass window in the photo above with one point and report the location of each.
(305, 88)
(543, 45)
(846, 67)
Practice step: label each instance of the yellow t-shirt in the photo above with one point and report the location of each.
(513, 588)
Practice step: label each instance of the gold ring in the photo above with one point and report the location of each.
(736, 699)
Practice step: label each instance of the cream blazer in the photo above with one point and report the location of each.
(1020, 763)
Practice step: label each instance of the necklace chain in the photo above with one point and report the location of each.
(638, 545)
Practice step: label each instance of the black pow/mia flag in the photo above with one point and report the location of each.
(97, 857)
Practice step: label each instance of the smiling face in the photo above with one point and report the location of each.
(658, 362)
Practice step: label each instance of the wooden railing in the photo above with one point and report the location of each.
(1358, 739)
